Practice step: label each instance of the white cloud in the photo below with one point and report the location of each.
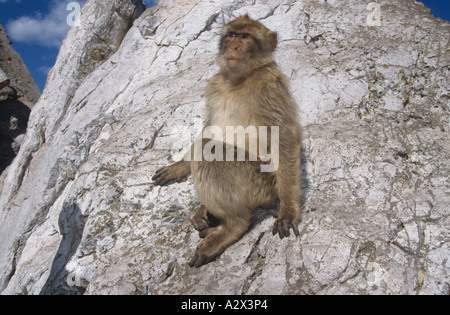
(45, 69)
(46, 30)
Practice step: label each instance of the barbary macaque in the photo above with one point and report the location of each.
(248, 91)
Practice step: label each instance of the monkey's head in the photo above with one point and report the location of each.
(246, 45)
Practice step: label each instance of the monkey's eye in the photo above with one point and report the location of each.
(246, 35)
(232, 34)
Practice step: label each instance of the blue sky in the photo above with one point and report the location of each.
(37, 28)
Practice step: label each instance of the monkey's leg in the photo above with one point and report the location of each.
(176, 172)
(217, 240)
(202, 220)
(289, 192)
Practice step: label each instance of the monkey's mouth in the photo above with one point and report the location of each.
(234, 62)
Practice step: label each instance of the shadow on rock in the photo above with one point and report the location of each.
(13, 123)
(71, 226)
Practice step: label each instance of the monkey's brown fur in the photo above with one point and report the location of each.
(248, 91)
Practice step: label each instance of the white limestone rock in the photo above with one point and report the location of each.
(80, 213)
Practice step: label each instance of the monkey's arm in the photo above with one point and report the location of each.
(176, 172)
(289, 191)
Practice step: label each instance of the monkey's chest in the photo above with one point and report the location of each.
(234, 123)
(232, 113)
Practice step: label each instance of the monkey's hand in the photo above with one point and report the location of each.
(285, 221)
(173, 173)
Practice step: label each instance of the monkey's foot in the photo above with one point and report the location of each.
(284, 223)
(204, 254)
(217, 240)
(202, 257)
(173, 173)
(202, 220)
(163, 177)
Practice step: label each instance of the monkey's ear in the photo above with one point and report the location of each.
(273, 41)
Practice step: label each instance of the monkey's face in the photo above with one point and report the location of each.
(246, 46)
(239, 47)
